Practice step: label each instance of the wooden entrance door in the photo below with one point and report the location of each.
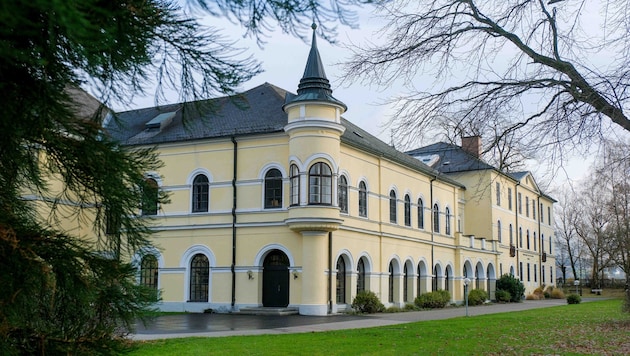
(276, 280)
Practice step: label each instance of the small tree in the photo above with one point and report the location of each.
(512, 285)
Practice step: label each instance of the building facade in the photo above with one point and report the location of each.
(277, 201)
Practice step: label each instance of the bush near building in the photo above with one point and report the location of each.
(433, 300)
(502, 296)
(512, 285)
(477, 297)
(367, 302)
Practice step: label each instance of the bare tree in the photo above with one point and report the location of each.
(567, 216)
(615, 172)
(593, 224)
(557, 71)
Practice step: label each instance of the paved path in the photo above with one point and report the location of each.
(214, 325)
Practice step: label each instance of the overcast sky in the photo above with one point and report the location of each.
(283, 59)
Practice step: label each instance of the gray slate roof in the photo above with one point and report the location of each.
(256, 111)
(452, 158)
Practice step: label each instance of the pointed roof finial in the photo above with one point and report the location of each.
(314, 86)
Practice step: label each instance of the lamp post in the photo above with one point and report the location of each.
(576, 283)
(466, 282)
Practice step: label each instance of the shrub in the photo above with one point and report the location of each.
(574, 299)
(547, 295)
(557, 293)
(539, 292)
(477, 297)
(512, 285)
(367, 302)
(532, 296)
(393, 309)
(502, 295)
(410, 307)
(431, 300)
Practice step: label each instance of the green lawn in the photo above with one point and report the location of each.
(588, 328)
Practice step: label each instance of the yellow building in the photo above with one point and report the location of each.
(277, 201)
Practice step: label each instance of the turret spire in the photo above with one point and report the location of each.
(314, 86)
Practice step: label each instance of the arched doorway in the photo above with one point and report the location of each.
(276, 280)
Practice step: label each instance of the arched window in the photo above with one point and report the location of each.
(407, 210)
(512, 271)
(200, 193)
(405, 283)
(477, 278)
(320, 184)
(149, 272)
(362, 199)
(360, 275)
(542, 242)
(149, 197)
(295, 185)
(199, 278)
(390, 295)
(343, 194)
(341, 281)
(435, 278)
(535, 242)
(420, 214)
(520, 237)
(392, 206)
(436, 218)
(447, 213)
(273, 189)
(446, 280)
(419, 282)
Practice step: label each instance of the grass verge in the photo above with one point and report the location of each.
(588, 328)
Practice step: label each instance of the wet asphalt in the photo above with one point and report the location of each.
(216, 325)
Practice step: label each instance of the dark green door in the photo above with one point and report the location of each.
(276, 280)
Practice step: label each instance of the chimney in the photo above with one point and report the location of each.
(472, 145)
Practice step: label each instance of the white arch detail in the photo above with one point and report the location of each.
(262, 253)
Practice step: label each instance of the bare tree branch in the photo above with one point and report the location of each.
(536, 65)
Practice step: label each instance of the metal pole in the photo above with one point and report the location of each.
(466, 297)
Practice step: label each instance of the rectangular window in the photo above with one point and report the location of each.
(550, 274)
(542, 213)
(534, 209)
(542, 274)
(549, 215)
(520, 203)
(295, 185)
(510, 198)
(520, 271)
(527, 206)
(528, 278)
(535, 273)
(498, 189)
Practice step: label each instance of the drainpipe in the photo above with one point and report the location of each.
(540, 276)
(234, 223)
(517, 230)
(330, 282)
(432, 229)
